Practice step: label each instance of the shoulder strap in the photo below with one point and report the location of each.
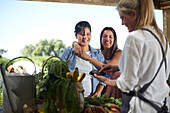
(163, 59)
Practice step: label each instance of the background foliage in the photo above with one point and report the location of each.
(2, 51)
(44, 48)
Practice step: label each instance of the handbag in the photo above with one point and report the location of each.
(126, 98)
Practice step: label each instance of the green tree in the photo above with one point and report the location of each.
(44, 48)
(27, 51)
(2, 51)
(59, 47)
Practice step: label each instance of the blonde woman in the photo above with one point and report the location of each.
(144, 62)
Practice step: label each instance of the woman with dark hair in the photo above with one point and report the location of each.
(83, 35)
(108, 45)
(109, 48)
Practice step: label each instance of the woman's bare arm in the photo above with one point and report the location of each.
(95, 62)
(98, 91)
(116, 58)
(79, 52)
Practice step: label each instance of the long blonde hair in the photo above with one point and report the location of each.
(145, 11)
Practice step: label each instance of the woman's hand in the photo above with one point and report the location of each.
(84, 56)
(79, 52)
(101, 78)
(77, 49)
(105, 80)
(116, 75)
(109, 69)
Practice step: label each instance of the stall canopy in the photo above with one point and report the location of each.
(159, 4)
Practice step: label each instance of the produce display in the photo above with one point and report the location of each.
(103, 104)
(55, 85)
(62, 92)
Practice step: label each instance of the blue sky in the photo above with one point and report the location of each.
(26, 22)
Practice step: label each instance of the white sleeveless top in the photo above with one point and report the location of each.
(85, 67)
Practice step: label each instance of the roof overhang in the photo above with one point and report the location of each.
(159, 4)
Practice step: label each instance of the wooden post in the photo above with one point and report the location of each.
(166, 22)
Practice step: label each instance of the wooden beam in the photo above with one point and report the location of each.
(164, 4)
(159, 4)
(89, 2)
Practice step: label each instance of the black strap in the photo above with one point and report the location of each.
(163, 53)
(139, 93)
(163, 59)
(151, 103)
(164, 108)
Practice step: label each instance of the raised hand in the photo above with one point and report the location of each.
(77, 49)
(109, 69)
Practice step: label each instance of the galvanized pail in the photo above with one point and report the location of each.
(19, 89)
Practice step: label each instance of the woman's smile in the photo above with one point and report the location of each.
(107, 39)
(84, 37)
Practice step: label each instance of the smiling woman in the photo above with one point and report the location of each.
(83, 34)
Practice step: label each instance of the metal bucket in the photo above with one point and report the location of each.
(19, 89)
